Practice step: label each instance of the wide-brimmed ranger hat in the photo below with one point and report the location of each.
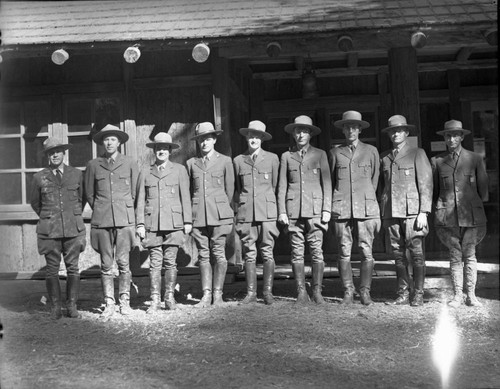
(351, 117)
(162, 138)
(398, 121)
(256, 127)
(203, 129)
(53, 143)
(300, 122)
(453, 125)
(110, 130)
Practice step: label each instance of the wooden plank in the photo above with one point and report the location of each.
(171, 82)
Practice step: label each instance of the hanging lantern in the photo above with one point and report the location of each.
(132, 54)
(201, 52)
(273, 49)
(309, 87)
(59, 56)
(418, 40)
(344, 43)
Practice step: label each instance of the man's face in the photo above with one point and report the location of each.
(56, 157)
(351, 131)
(302, 136)
(207, 143)
(111, 144)
(453, 139)
(398, 135)
(254, 141)
(162, 153)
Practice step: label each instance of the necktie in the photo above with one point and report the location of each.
(254, 157)
(395, 152)
(302, 153)
(111, 161)
(352, 148)
(58, 176)
(455, 156)
(161, 168)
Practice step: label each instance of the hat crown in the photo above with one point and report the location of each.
(352, 115)
(453, 125)
(303, 119)
(397, 120)
(162, 137)
(52, 143)
(204, 128)
(257, 125)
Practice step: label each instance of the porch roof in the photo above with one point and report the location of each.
(72, 22)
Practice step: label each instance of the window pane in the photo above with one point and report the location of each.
(36, 117)
(81, 152)
(10, 188)
(10, 118)
(10, 150)
(29, 182)
(107, 111)
(34, 152)
(79, 115)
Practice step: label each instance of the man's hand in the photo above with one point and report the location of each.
(421, 221)
(188, 228)
(325, 217)
(283, 219)
(140, 231)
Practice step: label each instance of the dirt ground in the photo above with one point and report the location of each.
(235, 346)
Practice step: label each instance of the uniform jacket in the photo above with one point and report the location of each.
(212, 189)
(459, 190)
(354, 180)
(164, 200)
(111, 191)
(407, 183)
(256, 187)
(59, 206)
(305, 186)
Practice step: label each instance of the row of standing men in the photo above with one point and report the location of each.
(166, 201)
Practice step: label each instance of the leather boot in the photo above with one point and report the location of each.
(317, 273)
(155, 279)
(108, 289)
(206, 285)
(251, 278)
(54, 292)
(300, 282)
(345, 271)
(124, 280)
(366, 281)
(418, 279)
(403, 287)
(470, 284)
(219, 278)
(72, 290)
(170, 280)
(268, 282)
(457, 282)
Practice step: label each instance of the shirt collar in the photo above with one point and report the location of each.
(209, 156)
(400, 146)
(60, 168)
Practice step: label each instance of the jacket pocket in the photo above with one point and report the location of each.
(148, 217)
(271, 209)
(342, 172)
(195, 206)
(371, 205)
(478, 214)
(412, 203)
(317, 203)
(130, 212)
(407, 172)
(223, 208)
(177, 219)
(218, 179)
(293, 175)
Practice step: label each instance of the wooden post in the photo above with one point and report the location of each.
(403, 73)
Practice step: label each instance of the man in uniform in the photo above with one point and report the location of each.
(163, 217)
(460, 187)
(111, 189)
(256, 173)
(355, 211)
(406, 202)
(212, 189)
(304, 203)
(56, 197)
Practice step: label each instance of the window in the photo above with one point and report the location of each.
(25, 124)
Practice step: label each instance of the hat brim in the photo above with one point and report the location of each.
(153, 144)
(362, 123)
(314, 130)
(216, 133)
(64, 147)
(122, 136)
(265, 135)
(462, 130)
(409, 127)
